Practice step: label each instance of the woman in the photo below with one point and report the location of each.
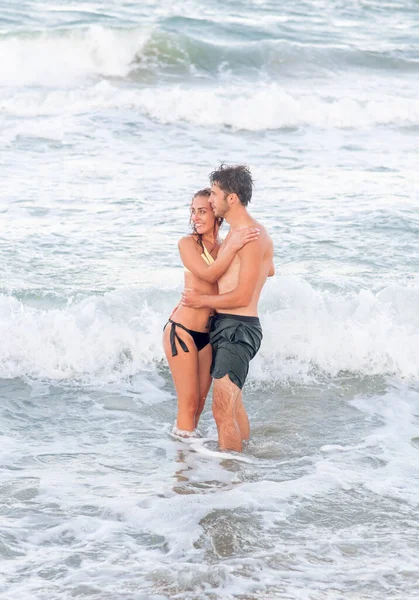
(186, 334)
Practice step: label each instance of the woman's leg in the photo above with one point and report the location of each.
(204, 360)
(184, 368)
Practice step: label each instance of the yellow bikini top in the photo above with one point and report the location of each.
(206, 256)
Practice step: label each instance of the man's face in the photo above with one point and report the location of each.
(218, 201)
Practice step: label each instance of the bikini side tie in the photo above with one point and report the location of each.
(174, 336)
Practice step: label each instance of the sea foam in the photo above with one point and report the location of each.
(307, 332)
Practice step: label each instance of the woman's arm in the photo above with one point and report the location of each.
(190, 254)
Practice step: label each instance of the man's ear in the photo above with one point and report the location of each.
(233, 199)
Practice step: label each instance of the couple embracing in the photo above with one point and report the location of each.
(215, 331)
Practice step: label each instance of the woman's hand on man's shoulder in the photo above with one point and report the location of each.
(238, 238)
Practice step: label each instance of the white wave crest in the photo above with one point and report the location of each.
(243, 107)
(270, 106)
(315, 331)
(98, 338)
(306, 332)
(66, 57)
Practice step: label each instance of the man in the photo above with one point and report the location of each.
(235, 333)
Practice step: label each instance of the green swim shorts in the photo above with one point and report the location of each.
(235, 340)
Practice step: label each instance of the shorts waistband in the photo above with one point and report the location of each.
(242, 318)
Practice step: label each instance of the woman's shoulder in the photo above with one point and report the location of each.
(188, 241)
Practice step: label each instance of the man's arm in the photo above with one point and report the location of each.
(251, 258)
(192, 260)
(191, 255)
(272, 270)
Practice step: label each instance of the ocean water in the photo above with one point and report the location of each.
(112, 114)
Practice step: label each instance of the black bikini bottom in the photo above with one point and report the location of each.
(200, 338)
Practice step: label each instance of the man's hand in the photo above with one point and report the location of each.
(191, 298)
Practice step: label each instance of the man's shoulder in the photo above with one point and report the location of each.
(260, 226)
(258, 249)
(264, 237)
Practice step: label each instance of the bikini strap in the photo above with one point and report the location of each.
(174, 336)
(207, 255)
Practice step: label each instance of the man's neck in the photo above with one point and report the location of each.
(238, 218)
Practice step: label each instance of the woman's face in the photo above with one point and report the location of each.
(202, 215)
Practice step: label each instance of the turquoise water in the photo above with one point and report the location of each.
(112, 115)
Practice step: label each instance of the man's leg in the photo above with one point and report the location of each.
(224, 407)
(242, 419)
